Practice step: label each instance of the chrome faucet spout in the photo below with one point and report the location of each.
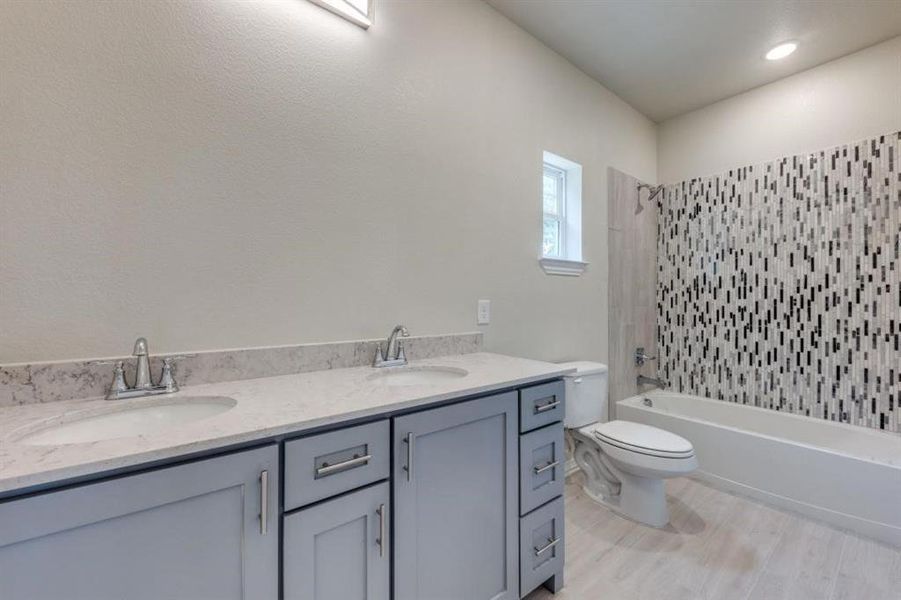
(391, 351)
(393, 354)
(643, 380)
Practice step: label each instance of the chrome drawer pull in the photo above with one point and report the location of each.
(264, 502)
(381, 540)
(550, 544)
(550, 465)
(409, 466)
(545, 407)
(327, 469)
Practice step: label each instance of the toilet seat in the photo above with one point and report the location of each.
(642, 439)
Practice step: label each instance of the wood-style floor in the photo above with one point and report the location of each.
(718, 547)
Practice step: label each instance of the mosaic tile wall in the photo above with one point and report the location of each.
(779, 285)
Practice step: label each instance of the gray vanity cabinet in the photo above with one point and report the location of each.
(339, 549)
(201, 530)
(456, 501)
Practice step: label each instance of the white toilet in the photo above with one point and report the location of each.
(624, 463)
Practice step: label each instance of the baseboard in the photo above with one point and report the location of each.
(883, 532)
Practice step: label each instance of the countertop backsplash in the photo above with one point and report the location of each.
(30, 383)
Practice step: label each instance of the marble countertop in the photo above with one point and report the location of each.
(266, 408)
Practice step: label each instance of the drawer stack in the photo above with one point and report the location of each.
(541, 481)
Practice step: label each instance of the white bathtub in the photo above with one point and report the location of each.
(842, 474)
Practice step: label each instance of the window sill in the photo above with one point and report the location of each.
(558, 266)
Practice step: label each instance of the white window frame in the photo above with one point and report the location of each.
(569, 262)
(560, 217)
(349, 10)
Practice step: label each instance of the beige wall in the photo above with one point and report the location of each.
(843, 101)
(219, 174)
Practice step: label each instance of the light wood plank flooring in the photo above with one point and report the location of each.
(718, 547)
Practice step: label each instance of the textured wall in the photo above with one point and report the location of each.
(220, 174)
(779, 284)
(851, 98)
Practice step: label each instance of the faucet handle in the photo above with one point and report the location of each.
(119, 384)
(641, 357)
(401, 355)
(166, 379)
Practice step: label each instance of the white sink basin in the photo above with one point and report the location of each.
(417, 375)
(144, 417)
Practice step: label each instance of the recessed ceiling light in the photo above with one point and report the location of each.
(782, 50)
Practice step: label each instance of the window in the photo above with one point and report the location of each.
(355, 11)
(554, 225)
(561, 216)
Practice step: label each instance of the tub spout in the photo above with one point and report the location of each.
(642, 380)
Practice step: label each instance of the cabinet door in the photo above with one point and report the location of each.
(455, 498)
(339, 549)
(194, 531)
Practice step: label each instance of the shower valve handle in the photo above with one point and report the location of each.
(641, 357)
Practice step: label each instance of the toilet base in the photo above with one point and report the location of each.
(635, 497)
(642, 499)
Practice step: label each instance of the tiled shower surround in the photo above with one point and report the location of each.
(779, 285)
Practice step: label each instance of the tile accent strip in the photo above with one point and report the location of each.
(50, 382)
(779, 285)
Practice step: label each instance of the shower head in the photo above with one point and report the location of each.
(653, 191)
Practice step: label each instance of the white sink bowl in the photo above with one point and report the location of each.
(143, 417)
(402, 376)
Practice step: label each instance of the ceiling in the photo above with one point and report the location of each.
(667, 57)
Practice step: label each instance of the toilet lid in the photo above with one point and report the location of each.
(643, 438)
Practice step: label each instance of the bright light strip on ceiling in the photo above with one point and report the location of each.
(781, 51)
(350, 10)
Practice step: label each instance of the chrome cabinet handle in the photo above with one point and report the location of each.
(550, 465)
(408, 440)
(264, 502)
(381, 540)
(327, 469)
(550, 544)
(546, 407)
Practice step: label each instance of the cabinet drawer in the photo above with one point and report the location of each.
(328, 464)
(540, 405)
(540, 546)
(542, 466)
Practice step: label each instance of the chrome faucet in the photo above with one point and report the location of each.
(394, 351)
(642, 380)
(144, 385)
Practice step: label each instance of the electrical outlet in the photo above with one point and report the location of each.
(484, 312)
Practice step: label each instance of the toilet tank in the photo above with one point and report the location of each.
(586, 394)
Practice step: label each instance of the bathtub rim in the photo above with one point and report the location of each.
(636, 402)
